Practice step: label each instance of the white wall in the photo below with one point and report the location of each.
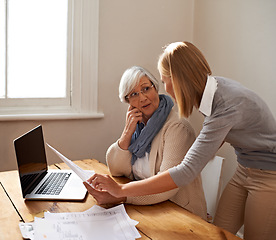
(131, 33)
(238, 39)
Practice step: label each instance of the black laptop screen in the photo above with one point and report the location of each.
(30, 154)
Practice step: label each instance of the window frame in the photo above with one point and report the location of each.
(82, 72)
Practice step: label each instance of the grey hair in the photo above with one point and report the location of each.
(131, 79)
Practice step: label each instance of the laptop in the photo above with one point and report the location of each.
(37, 181)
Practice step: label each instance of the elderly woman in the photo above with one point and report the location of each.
(154, 139)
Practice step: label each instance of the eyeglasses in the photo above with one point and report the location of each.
(135, 95)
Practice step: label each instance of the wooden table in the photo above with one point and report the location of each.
(160, 221)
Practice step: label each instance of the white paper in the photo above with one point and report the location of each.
(84, 175)
(27, 230)
(95, 223)
(83, 229)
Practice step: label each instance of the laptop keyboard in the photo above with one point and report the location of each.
(53, 184)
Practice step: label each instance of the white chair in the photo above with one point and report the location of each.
(212, 184)
(240, 232)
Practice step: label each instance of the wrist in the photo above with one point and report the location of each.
(123, 190)
(124, 143)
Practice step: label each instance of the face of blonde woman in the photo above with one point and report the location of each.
(168, 85)
(145, 98)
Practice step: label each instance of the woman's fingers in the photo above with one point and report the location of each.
(90, 189)
(98, 180)
(134, 113)
(106, 184)
(133, 117)
(103, 197)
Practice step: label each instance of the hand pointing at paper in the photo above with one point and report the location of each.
(103, 197)
(104, 184)
(153, 185)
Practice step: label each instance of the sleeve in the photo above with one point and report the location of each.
(118, 161)
(176, 140)
(213, 134)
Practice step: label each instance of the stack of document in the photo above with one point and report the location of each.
(96, 223)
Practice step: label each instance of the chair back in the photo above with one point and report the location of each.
(212, 184)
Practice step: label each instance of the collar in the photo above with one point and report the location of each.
(208, 96)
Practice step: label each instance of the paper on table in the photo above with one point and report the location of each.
(84, 175)
(96, 223)
(127, 222)
(100, 227)
(27, 230)
(120, 209)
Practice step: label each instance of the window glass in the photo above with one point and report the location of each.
(36, 47)
(48, 59)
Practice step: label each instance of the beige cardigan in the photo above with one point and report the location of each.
(168, 149)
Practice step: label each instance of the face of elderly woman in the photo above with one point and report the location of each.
(145, 98)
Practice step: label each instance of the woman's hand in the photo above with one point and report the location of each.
(105, 184)
(155, 184)
(133, 116)
(103, 197)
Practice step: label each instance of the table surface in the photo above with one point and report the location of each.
(165, 220)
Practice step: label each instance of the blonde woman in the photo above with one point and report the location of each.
(233, 114)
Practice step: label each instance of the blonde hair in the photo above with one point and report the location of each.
(188, 70)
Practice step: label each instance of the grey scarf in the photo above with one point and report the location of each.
(143, 135)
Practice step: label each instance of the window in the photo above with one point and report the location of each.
(49, 51)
